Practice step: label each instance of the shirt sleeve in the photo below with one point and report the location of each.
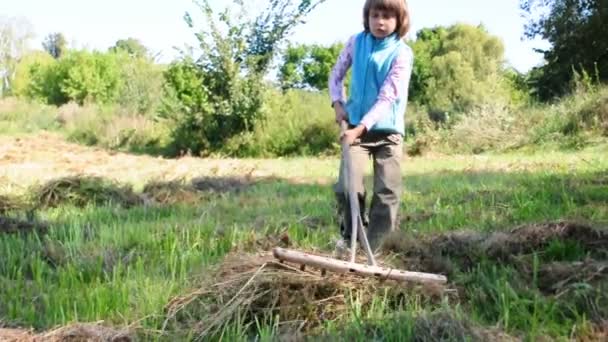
(395, 86)
(336, 78)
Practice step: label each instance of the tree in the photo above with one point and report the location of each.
(55, 44)
(291, 73)
(131, 46)
(576, 31)
(308, 66)
(15, 34)
(28, 69)
(456, 68)
(427, 45)
(235, 55)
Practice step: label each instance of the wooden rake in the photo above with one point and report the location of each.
(358, 232)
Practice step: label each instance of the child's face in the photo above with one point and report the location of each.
(382, 23)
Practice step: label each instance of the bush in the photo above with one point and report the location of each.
(28, 66)
(79, 76)
(141, 82)
(487, 128)
(91, 77)
(184, 105)
(297, 122)
(570, 123)
(112, 127)
(219, 95)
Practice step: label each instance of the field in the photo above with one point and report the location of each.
(122, 246)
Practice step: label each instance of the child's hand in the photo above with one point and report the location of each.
(340, 112)
(349, 136)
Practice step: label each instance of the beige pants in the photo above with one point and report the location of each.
(386, 150)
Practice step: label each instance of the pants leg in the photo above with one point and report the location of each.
(387, 189)
(359, 155)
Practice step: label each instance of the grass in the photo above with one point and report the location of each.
(124, 265)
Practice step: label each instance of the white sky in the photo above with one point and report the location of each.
(159, 24)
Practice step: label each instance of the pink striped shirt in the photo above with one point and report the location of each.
(391, 89)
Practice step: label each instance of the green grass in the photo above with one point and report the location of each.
(124, 265)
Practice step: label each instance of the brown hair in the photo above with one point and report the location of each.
(398, 7)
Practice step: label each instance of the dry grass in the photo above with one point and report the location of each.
(84, 190)
(247, 286)
(11, 203)
(171, 192)
(72, 333)
(27, 160)
(461, 250)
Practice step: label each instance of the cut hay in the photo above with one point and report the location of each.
(528, 238)
(10, 225)
(76, 332)
(81, 191)
(221, 184)
(172, 192)
(557, 277)
(445, 253)
(11, 203)
(248, 287)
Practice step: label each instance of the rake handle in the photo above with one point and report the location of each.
(340, 266)
(355, 213)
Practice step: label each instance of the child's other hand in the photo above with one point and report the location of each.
(340, 112)
(350, 135)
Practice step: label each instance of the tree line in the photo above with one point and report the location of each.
(217, 91)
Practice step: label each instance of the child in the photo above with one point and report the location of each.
(381, 67)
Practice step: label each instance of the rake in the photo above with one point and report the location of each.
(371, 269)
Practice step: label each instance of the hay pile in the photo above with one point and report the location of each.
(221, 184)
(462, 250)
(246, 287)
(11, 203)
(81, 191)
(76, 332)
(171, 192)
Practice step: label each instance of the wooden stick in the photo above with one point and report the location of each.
(340, 266)
(357, 230)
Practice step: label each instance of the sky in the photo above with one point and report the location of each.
(159, 24)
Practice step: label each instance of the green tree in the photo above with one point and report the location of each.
(291, 73)
(236, 52)
(55, 44)
(457, 68)
(27, 69)
(79, 76)
(576, 31)
(308, 66)
(141, 82)
(427, 45)
(131, 46)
